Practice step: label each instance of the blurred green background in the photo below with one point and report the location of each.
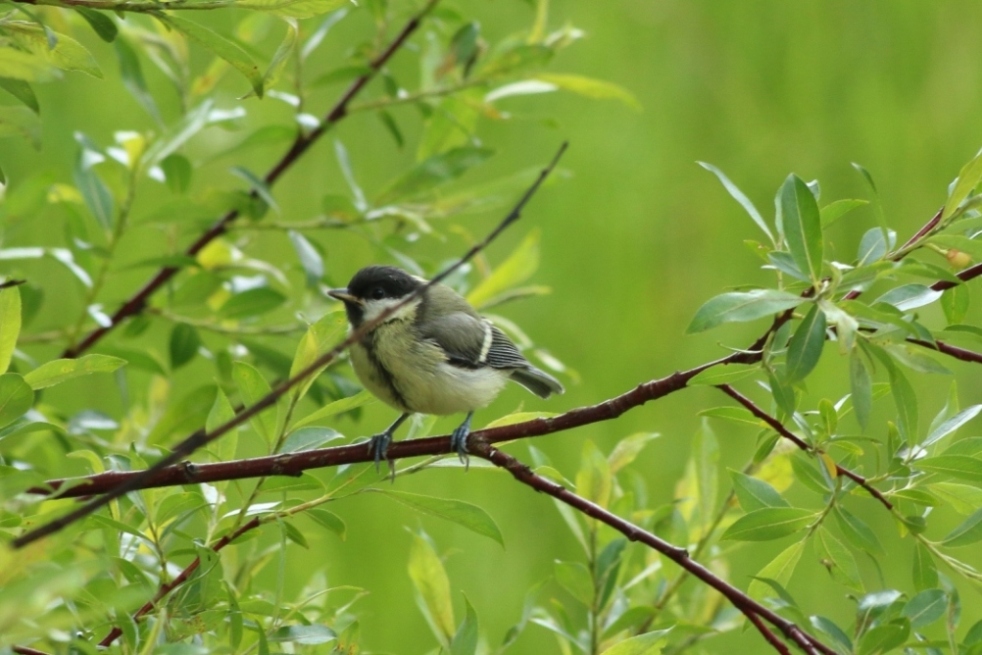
(633, 242)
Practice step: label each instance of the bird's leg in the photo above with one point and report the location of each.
(379, 444)
(458, 440)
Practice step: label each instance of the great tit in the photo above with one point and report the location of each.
(434, 355)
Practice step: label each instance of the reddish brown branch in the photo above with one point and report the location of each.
(790, 436)
(202, 438)
(165, 589)
(747, 605)
(300, 145)
(24, 650)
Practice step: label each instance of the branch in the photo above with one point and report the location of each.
(301, 144)
(747, 605)
(787, 434)
(24, 650)
(139, 6)
(201, 437)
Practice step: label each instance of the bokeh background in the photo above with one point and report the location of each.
(634, 239)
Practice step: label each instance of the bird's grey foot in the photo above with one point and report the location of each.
(458, 439)
(378, 446)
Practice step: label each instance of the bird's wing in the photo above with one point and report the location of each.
(472, 342)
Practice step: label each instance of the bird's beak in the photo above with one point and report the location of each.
(344, 296)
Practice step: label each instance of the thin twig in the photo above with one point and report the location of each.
(202, 438)
(300, 145)
(680, 556)
(24, 650)
(796, 440)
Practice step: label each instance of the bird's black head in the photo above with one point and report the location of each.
(372, 286)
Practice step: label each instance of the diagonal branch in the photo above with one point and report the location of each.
(778, 427)
(747, 605)
(201, 437)
(300, 145)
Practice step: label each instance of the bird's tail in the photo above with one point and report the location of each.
(538, 382)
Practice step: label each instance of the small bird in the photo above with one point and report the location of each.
(435, 355)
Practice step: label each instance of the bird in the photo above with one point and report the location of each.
(433, 355)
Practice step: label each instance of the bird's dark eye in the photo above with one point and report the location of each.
(378, 293)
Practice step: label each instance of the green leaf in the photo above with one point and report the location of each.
(177, 171)
(834, 211)
(101, 23)
(590, 88)
(802, 225)
(328, 520)
(22, 91)
(520, 265)
(904, 398)
(10, 320)
(955, 303)
(222, 412)
(742, 306)
(337, 407)
(310, 259)
(838, 560)
(705, 462)
(952, 424)
(463, 514)
(433, 588)
(319, 338)
(132, 73)
(434, 171)
(777, 572)
(967, 533)
(19, 65)
(861, 386)
(806, 345)
(872, 247)
(16, 397)
(961, 467)
(968, 178)
(20, 122)
(66, 53)
(575, 578)
(925, 570)
(465, 640)
(308, 439)
(884, 638)
(754, 493)
(218, 46)
(304, 635)
(926, 607)
(856, 532)
(627, 449)
(769, 523)
(293, 8)
(649, 643)
(723, 374)
(739, 196)
(252, 302)
(94, 191)
(184, 344)
(253, 387)
(61, 370)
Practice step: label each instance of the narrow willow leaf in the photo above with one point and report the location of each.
(967, 533)
(252, 302)
(724, 374)
(16, 397)
(520, 265)
(184, 344)
(337, 407)
(909, 296)
(94, 191)
(177, 171)
(132, 74)
(806, 345)
(648, 643)
(61, 370)
(955, 303)
(293, 8)
(434, 171)
(463, 514)
(925, 572)
(754, 493)
(802, 225)
(220, 47)
(433, 588)
(591, 88)
(884, 638)
(835, 210)
(857, 532)
(952, 424)
(253, 387)
(778, 571)
(22, 91)
(861, 386)
(257, 185)
(960, 467)
(769, 523)
(705, 461)
(926, 607)
(872, 247)
(627, 450)
(742, 306)
(968, 178)
(102, 24)
(464, 641)
(740, 197)
(575, 578)
(10, 322)
(838, 560)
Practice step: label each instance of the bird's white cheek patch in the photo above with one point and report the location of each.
(373, 308)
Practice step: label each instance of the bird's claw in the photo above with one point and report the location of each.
(378, 446)
(458, 442)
